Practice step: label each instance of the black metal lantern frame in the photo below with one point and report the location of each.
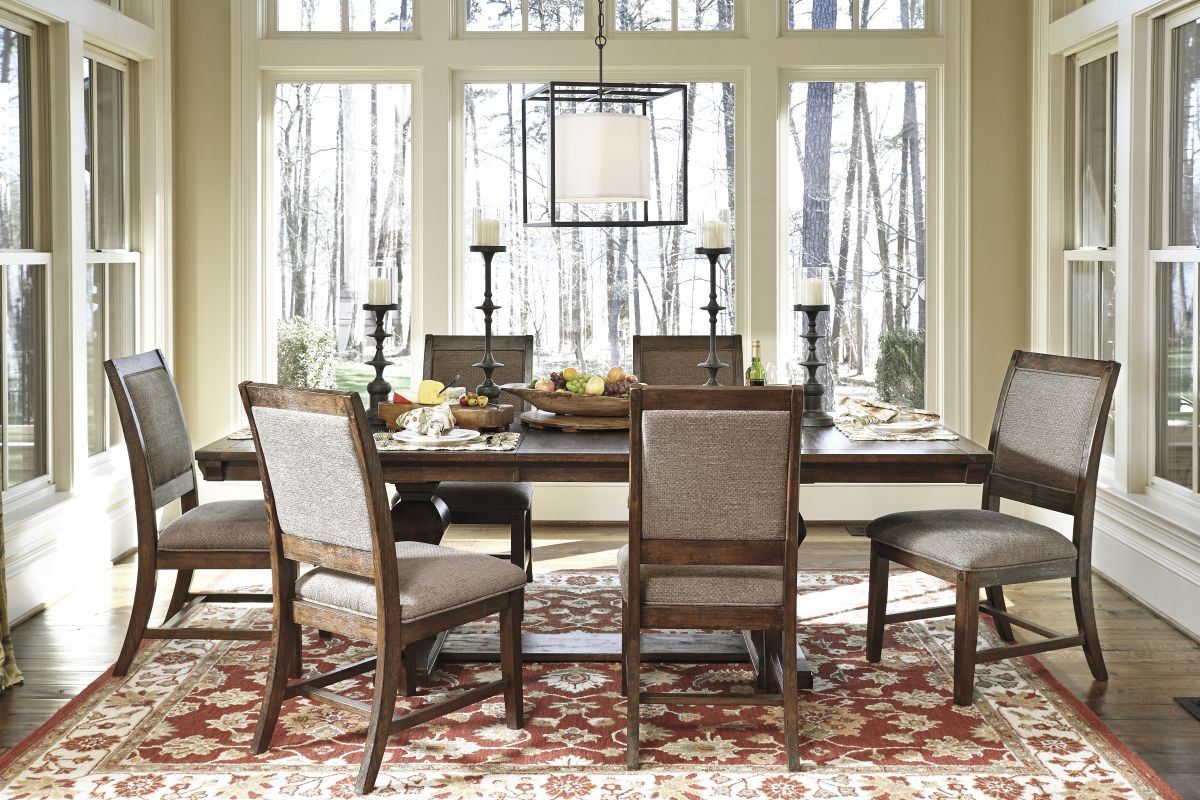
(638, 95)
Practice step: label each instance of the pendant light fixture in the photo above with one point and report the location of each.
(599, 151)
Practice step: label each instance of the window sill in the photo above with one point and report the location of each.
(1171, 523)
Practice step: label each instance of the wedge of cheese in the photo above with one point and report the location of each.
(429, 393)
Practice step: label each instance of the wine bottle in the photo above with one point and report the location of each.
(756, 373)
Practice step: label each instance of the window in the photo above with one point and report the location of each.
(1091, 263)
(343, 203)
(343, 15)
(1175, 262)
(855, 14)
(674, 15)
(23, 397)
(856, 202)
(525, 15)
(110, 315)
(583, 293)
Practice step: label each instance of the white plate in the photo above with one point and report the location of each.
(915, 426)
(452, 436)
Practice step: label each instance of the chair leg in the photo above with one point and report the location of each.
(762, 681)
(139, 615)
(283, 654)
(791, 701)
(995, 596)
(517, 552)
(510, 659)
(297, 654)
(387, 679)
(528, 546)
(876, 604)
(966, 631)
(633, 686)
(1085, 619)
(179, 595)
(624, 643)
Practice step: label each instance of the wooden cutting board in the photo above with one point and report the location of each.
(570, 423)
(492, 417)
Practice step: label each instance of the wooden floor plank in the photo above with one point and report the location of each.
(65, 647)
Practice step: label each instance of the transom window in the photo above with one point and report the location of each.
(674, 15)
(525, 15)
(343, 15)
(855, 14)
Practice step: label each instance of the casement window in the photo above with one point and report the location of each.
(342, 187)
(856, 214)
(24, 268)
(1091, 267)
(854, 14)
(110, 313)
(675, 15)
(584, 292)
(343, 16)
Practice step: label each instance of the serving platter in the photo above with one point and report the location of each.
(450, 438)
(564, 402)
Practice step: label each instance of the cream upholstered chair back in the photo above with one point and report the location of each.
(156, 434)
(673, 360)
(714, 474)
(1049, 431)
(320, 472)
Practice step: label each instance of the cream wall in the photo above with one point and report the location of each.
(204, 344)
(999, 196)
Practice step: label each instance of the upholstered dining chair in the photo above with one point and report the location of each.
(713, 532)
(329, 508)
(482, 502)
(229, 534)
(673, 360)
(1046, 439)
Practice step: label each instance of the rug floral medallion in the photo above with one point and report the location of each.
(178, 727)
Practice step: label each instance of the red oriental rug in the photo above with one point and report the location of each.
(179, 725)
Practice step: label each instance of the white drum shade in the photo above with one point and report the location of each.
(601, 158)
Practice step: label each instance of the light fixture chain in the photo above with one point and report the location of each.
(601, 40)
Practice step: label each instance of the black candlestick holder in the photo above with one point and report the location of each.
(814, 415)
(379, 389)
(713, 364)
(488, 363)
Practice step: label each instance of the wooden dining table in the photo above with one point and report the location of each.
(827, 457)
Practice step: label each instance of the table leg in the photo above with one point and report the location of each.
(419, 515)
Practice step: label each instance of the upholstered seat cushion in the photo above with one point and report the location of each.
(969, 539)
(705, 586)
(431, 579)
(222, 525)
(481, 497)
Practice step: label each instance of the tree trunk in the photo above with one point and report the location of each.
(837, 352)
(818, 129)
(881, 231)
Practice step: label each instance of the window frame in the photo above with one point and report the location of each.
(932, 27)
(272, 29)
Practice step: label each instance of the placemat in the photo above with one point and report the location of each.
(492, 442)
(241, 435)
(861, 433)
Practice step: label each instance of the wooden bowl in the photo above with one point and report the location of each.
(564, 402)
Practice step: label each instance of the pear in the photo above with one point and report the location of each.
(615, 375)
(595, 385)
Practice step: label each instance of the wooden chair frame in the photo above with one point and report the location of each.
(386, 630)
(520, 523)
(699, 344)
(772, 630)
(147, 500)
(1080, 504)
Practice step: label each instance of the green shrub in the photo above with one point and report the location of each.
(306, 354)
(900, 371)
